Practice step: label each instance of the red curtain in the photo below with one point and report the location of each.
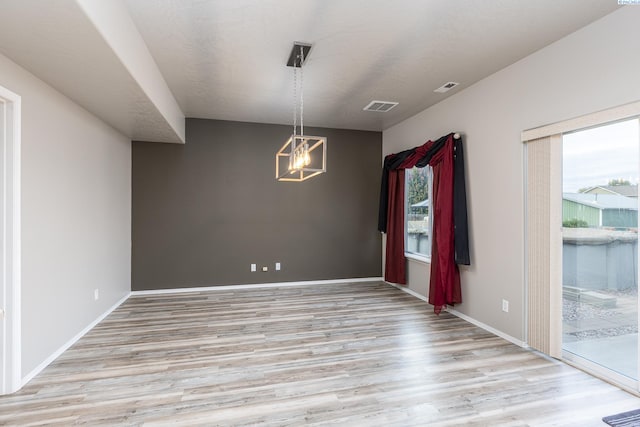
(394, 266)
(444, 286)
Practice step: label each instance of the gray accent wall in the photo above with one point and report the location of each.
(203, 212)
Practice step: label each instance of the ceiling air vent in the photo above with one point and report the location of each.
(380, 106)
(446, 87)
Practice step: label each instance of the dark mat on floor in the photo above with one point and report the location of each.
(625, 419)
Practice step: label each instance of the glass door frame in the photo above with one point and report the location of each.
(543, 280)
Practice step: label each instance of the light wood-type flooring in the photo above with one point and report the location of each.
(361, 354)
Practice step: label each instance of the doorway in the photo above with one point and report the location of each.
(10, 126)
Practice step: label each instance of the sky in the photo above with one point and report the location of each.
(595, 156)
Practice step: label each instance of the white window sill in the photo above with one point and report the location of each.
(417, 258)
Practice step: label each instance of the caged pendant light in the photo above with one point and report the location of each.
(302, 156)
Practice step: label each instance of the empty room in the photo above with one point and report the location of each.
(319, 212)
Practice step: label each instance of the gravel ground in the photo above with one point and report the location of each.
(573, 311)
(604, 332)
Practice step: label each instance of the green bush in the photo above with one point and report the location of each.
(575, 223)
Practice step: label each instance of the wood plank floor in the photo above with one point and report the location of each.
(358, 354)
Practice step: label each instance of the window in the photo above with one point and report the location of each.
(418, 212)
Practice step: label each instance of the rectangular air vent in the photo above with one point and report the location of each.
(380, 106)
(446, 87)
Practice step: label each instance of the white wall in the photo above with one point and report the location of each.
(76, 216)
(595, 68)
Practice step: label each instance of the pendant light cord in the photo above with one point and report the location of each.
(295, 99)
(301, 92)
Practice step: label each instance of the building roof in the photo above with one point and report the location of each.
(603, 201)
(623, 190)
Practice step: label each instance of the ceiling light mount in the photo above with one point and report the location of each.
(299, 54)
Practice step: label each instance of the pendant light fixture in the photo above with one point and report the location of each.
(302, 156)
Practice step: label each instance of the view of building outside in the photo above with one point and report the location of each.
(418, 211)
(600, 245)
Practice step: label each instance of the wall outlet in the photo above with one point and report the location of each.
(96, 294)
(505, 305)
(253, 267)
(277, 266)
(265, 268)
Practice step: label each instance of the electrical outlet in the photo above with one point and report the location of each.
(265, 268)
(253, 268)
(505, 305)
(277, 266)
(96, 294)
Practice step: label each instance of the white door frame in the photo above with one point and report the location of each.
(10, 264)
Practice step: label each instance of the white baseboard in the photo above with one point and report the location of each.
(488, 328)
(465, 317)
(408, 291)
(255, 285)
(71, 342)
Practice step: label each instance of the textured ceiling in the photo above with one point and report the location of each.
(58, 43)
(225, 59)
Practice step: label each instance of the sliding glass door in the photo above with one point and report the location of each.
(600, 247)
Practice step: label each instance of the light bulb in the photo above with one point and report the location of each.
(307, 158)
(299, 157)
